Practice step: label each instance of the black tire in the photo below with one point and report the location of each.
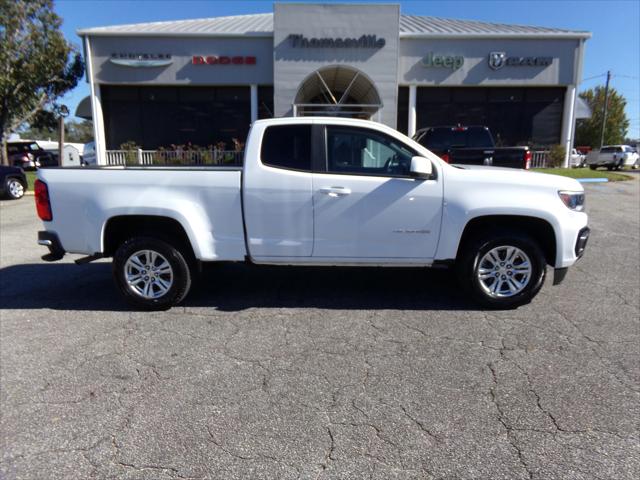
(14, 188)
(474, 250)
(593, 167)
(181, 273)
(610, 167)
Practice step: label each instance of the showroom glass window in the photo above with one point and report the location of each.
(364, 152)
(516, 116)
(155, 117)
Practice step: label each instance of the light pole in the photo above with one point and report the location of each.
(63, 112)
(604, 108)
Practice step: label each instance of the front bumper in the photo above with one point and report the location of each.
(580, 246)
(581, 242)
(52, 242)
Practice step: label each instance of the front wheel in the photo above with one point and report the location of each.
(151, 274)
(501, 270)
(593, 167)
(14, 188)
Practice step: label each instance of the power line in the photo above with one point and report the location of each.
(595, 76)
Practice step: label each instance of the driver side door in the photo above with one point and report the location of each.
(367, 207)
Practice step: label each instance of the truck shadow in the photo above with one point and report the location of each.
(236, 287)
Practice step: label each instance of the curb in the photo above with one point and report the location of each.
(592, 180)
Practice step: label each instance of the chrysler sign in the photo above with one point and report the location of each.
(141, 59)
(497, 60)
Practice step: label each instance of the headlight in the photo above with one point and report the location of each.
(573, 200)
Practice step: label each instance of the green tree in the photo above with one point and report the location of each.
(37, 65)
(588, 131)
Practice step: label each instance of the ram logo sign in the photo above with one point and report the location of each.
(497, 60)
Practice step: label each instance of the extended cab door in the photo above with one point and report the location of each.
(277, 190)
(367, 206)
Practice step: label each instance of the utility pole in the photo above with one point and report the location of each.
(63, 112)
(606, 104)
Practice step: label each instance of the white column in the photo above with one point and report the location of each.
(254, 103)
(96, 108)
(411, 124)
(568, 115)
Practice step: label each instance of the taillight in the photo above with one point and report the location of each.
(43, 206)
(445, 157)
(527, 159)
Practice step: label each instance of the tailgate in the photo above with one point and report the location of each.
(496, 157)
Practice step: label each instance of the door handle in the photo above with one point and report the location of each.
(335, 191)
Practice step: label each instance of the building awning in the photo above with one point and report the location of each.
(83, 110)
(583, 110)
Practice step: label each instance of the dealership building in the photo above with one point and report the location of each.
(204, 81)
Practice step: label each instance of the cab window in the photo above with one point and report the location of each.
(364, 152)
(287, 146)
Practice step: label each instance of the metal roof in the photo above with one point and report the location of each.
(414, 25)
(261, 25)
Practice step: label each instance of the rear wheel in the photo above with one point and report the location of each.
(502, 269)
(151, 274)
(14, 188)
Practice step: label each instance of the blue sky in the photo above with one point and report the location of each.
(615, 26)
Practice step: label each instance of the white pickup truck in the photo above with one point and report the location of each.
(317, 191)
(614, 157)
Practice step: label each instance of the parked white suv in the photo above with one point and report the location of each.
(318, 191)
(614, 157)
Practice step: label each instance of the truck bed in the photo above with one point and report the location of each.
(206, 200)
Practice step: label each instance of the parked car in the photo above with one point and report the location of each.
(28, 155)
(13, 182)
(614, 157)
(471, 146)
(577, 159)
(317, 191)
(89, 154)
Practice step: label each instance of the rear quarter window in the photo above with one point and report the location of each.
(287, 146)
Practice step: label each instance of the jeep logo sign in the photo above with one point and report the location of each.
(497, 60)
(453, 62)
(222, 60)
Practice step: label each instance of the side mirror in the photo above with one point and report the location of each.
(420, 167)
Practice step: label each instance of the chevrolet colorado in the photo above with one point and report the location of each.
(317, 191)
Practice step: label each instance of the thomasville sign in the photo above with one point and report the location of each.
(364, 41)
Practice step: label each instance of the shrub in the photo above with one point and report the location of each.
(555, 158)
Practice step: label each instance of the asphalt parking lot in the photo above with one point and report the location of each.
(322, 373)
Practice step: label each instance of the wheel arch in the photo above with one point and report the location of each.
(539, 229)
(119, 228)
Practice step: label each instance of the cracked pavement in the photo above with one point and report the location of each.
(322, 373)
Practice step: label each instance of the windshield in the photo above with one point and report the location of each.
(444, 138)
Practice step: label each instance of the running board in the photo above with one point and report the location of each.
(90, 258)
